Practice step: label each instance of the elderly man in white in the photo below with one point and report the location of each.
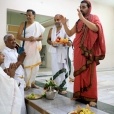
(59, 55)
(11, 56)
(10, 95)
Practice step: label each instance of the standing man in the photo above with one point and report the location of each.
(59, 55)
(10, 95)
(32, 47)
(89, 48)
(11, 56)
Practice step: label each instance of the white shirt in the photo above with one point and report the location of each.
(11, 56)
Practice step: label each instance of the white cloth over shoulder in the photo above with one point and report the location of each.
(32, 59)
(59, 58)
(32, 48)
(54, 36)
(61, 51)
(10, 95)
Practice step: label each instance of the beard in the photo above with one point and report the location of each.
(83, 13)
(57, 24)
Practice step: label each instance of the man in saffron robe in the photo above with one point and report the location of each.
(89, 48)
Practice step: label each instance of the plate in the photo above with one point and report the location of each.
(33, 96)
(60, 45)
(57, 44)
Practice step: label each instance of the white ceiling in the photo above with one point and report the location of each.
(108, 2)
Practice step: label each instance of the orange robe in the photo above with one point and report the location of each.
(89, 48)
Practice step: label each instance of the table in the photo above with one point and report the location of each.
(60, 105)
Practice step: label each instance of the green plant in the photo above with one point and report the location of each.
(50, 83)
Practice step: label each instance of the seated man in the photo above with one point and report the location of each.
(11, 56)
(10, 95)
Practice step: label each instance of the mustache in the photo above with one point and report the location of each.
(58, 24)
(13, 42)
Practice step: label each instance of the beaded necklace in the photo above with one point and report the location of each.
(78, 31)
(83, 26)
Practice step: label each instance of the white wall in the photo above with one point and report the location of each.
(67, 8)
(106, 15)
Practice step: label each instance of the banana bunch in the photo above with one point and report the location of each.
(80, 110)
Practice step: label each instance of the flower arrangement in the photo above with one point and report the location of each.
(50, 85)
(59, 40)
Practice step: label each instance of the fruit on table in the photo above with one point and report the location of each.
(31, 96)
(82, 110)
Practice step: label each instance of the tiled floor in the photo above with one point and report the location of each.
(105, 84)
(105, 102)
(106, 87)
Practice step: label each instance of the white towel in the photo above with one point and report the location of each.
(61, 51)
(62, 34)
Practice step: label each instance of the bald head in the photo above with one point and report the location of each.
(57, 20)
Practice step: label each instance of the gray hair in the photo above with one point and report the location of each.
(6, 36)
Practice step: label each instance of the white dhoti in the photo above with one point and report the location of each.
(10, 96)
(33, 59)
(60, 68)
(59, 72)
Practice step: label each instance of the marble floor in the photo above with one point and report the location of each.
(105, 85)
